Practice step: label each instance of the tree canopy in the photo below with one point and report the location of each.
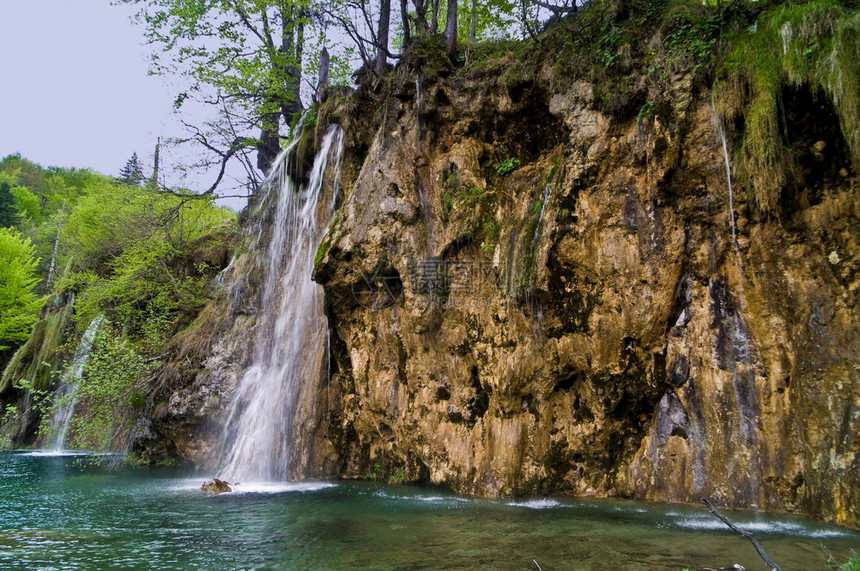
(140, 259)
(258, 62)
(19, 306)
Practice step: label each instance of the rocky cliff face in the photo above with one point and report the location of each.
(528, 294)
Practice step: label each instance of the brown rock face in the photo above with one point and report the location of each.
(578, 320)
(526, 294)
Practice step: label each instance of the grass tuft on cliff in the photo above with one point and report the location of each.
(750, 53)
(816, 45)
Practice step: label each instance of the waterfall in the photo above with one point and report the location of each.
(418, 106)
(291, 336)
(739, 349)
(722, 134)
(66, 396)
(544, 200)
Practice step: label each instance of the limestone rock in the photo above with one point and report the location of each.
(216, 486)
(577, 322)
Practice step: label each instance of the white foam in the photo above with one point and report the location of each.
(536, 504)
(789, 528)
(279, 487)
(254, 487)
(418, 498)
(58, 453)
(435, 499)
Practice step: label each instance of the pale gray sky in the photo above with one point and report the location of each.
(75, 90)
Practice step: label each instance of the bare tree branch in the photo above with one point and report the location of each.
(768, 561)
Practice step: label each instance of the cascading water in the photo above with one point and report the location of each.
(544, 200)
(290, 346)
(739, 349)
(66, 396)
(418, 107)
(722, 134)
(718, 126)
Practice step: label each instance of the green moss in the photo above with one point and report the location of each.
(43, 352)
(852, 564)
(328, 239)
(426, 56)
(490, 57)
(507, 166)
(322, 250)
(447, 204)
(646, 112)
(816, 44)
(136, 400)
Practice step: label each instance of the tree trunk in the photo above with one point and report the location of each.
(322, 84)
(288, 65)
(291, 50)
(382, 36)
(451, 31)
(295, 72)
(420, 16)
(269, 144)
(434, 22)
(472, 32)
(404, 19)
(152, 183)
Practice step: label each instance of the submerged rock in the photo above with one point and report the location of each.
(216, 486)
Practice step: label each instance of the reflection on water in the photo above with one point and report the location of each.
(66, 512)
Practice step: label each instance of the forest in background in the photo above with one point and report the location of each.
(78, 244)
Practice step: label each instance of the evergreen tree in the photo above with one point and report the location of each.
(9, 215)
(132, 173)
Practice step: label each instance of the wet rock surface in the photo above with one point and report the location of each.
(577, 320)
(216, 486)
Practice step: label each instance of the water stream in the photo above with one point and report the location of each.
(544, 200)
(722, 135)
(66, 396)
(418, 107)
(739, 350)
(290, 344)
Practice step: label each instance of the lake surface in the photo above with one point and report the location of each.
(68, 512)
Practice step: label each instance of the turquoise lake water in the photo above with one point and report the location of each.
(68, 512)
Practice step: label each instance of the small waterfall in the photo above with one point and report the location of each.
(722, 134)
(291, 337)
(219, 279)
(418, 106)
(544, 200)
(66, 396)
(739, 349)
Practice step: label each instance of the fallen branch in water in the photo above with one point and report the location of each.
(748, 535)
